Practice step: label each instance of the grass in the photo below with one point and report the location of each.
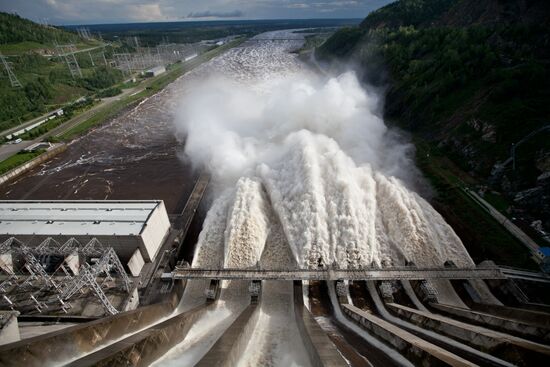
(17, 160)
(483, 236)
(21, 47)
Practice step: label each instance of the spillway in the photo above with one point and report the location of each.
(302, 178)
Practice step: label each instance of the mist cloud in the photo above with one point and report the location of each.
(231, 128)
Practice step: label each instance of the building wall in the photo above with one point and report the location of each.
(155, 231)
(148, 238)
(9, 333)
(123, 245)
(135, 264)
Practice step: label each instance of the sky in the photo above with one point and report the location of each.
(127, 11)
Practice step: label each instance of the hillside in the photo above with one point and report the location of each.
(14, 29)
(29, 48)
(469, 77)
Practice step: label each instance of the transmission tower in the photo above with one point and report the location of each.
(67, 52)
(11, 75)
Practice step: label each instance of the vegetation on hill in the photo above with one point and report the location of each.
(46, 80)
(470, 81)
(14, 29)
(407, 13)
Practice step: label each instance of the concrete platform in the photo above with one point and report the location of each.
(513, 349)
(414, 348)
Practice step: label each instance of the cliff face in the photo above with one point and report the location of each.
(473, 78)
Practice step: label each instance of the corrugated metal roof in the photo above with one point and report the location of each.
(120, 218)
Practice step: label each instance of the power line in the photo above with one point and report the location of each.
(67, 52)
(11, 75)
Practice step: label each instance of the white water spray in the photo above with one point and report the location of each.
(334, 174)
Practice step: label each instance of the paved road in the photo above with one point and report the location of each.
(7, 150)
(105, 102)
(78, 51)
(511, 227)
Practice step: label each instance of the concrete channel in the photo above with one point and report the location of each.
(508, 347)
(443, 341)
(499, 323)
(321, 350)
(413, 347)
(146, 346)
(64, 344)
(229, 347)
(537, 318)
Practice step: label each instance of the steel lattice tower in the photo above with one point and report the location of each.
(11, 75)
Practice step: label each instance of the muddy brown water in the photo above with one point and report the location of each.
(134, 156)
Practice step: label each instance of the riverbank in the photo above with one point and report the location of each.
(101, 113)
(32, 162)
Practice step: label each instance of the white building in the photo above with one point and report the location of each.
(157, 70)
(134, 229)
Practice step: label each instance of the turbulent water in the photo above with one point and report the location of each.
(305, 174)
(308, 157)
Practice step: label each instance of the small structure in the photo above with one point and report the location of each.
(44, 145)
(157, 70)
(544, 254)
(190, 57)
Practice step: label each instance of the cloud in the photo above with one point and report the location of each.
(120, 11)
(216, 14)
(144, 12)
(298, 6)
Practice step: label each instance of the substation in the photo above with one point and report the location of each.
(87, 283)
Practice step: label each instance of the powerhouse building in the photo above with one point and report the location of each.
(134, 229)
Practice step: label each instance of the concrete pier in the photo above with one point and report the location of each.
(229, 347)
(541, 319)
(58, 346)
(414, 348)
(321, 350)
(499, 323)
(144, 347)
(511, 348)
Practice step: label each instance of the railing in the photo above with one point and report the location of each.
(410, 273)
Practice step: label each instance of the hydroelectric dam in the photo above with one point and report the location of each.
(404, 315)
(301, 241)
